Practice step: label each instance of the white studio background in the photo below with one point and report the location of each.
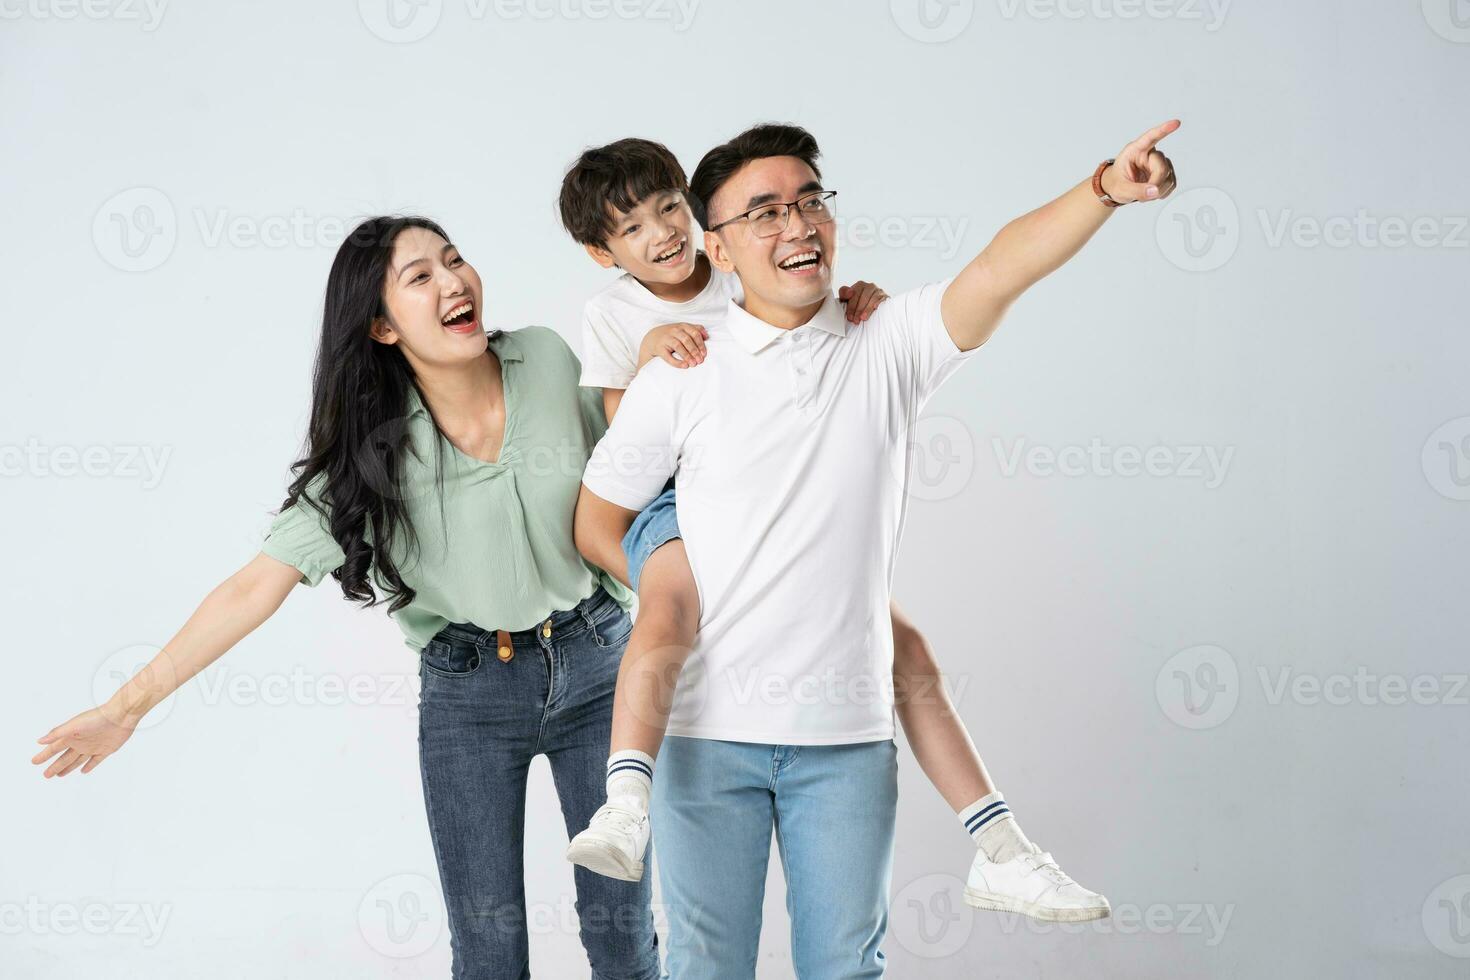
(1228, 690)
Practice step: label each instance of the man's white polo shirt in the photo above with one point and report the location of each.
(790, 455)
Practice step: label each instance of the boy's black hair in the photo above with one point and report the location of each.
(765, 140)
(617, 175)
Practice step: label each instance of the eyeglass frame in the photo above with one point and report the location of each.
(826, 195)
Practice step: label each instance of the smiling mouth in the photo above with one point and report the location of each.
(669, 255)
(800, 262)
(461, 318)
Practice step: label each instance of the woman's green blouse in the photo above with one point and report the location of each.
(494, 540)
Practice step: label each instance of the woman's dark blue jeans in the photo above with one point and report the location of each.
(481, 721)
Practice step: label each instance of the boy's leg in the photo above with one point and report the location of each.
(668, 618)
(615, 917)
(713, 810)
(835, 809)
(1009, 872)
(933, 727)
(663, 633)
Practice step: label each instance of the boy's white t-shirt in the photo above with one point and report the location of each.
(616, 319)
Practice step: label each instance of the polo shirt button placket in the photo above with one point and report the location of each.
(802, 358)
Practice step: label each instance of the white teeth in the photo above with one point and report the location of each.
(798, 259)
(461, 308)
(664, 256)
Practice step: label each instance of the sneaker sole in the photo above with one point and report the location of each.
(1000, 903)
(605, 860)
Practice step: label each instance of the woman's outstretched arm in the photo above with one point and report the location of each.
(236, 607)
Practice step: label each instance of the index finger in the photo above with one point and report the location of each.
(1148, 140)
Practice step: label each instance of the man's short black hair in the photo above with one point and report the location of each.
(765, 140)
(619, 175)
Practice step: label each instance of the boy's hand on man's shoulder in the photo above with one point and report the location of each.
(680, 344)
(862, 298)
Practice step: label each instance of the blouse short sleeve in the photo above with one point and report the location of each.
(299, 537)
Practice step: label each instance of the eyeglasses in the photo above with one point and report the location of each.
(771, 219)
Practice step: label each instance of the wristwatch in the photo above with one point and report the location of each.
(1097, 187)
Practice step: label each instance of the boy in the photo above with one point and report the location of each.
(626, 203)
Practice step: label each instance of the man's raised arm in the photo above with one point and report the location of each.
(1038, 243)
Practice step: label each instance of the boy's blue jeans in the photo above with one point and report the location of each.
(831, 807)
(655, 525)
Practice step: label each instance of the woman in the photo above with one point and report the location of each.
(441, 475)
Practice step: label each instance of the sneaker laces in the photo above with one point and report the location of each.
(1043, 862)
(620, 818)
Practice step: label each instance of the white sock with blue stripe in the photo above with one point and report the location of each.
(630, 773)
(994, 829)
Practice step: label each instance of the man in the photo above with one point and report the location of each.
(789, 446)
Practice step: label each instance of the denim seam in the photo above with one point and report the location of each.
(429, 809)
(792, 888)
(556, 693)
(545, 710)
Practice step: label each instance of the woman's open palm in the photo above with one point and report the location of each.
(84, 741)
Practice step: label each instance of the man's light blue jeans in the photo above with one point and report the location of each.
(832, 808)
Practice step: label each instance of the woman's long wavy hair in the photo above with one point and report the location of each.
(357, 436)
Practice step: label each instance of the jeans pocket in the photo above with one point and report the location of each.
(450, 659)
(612, 628)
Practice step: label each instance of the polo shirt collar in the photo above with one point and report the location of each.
(755, 334)
(505, 346)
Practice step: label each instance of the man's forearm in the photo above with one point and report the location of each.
(1023, 253)
(1036, 244)
(598, 529)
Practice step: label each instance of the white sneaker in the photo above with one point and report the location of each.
(614, 841)
(1032, 884)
